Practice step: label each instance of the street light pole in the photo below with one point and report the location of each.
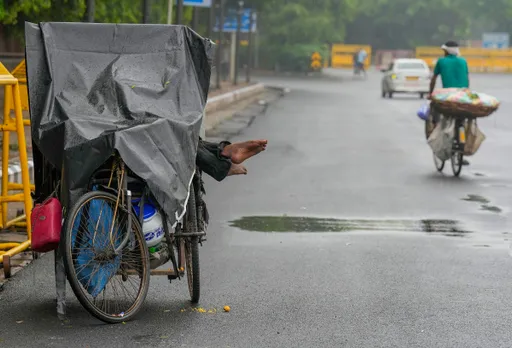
(179, 14)
(146, 11)
(249, 47)
(211, 19)
(195, 18)
(169, 11)
(90, 11)
(220, 67)
(237, 43)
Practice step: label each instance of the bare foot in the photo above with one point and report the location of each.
(239, 152)
(237, 169)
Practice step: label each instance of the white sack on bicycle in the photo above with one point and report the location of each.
(441, 139)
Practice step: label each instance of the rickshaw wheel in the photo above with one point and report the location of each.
(101, 279)
(192, 249)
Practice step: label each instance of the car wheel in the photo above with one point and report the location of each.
(383, 94)
(390, 95)
(422, 95)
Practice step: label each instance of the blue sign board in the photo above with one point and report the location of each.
(495, 40)
(198, 3)
(231, 22)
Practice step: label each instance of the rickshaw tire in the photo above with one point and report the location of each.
(192, 249)
(71, 272)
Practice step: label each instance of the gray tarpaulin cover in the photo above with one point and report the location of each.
(137, 89)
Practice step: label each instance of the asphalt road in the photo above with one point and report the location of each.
(394, 276)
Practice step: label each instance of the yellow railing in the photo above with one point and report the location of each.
(342, 55)
(479, 59)
(15, 99)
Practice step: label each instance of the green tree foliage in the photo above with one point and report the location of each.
(407, 23)
(290, 29)
(10, 10)
(13, 13)
(288, 26)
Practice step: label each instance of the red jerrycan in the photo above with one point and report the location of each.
(46, 225)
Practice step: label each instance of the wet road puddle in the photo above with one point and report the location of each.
(299, 224)
(484, 203)
(491, 208)
(476, 198)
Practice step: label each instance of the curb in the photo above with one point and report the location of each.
(223, 100)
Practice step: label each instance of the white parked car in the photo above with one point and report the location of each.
(406, 75)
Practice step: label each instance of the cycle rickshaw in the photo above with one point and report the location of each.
(115, 140)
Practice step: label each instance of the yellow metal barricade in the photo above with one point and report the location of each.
(15, 99)
(479, 59)
(343, 55)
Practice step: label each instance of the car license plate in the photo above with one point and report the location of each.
(412, 78)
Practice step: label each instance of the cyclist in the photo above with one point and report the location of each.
(454, 73)
(361, 57)
(354, 62)
(452, 68)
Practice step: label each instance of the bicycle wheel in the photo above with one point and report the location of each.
(438, 163)
(457, 159)
(192, 249)
(112, 287)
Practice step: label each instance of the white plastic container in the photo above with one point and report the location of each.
(153, 227)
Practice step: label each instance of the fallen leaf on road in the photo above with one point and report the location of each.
(227, 309)
(164, 337)
(19, 321)
(167, 310)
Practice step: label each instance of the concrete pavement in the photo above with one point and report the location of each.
(336, 150)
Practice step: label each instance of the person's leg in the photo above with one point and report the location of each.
(237, 169)
(210, 160)
(363, 69)
(240, 152)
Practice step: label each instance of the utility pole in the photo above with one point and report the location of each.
(146, 11)
(195, 18)
(249, 47)
(179, 14)
(237, 38)
(90, 11)
(211, 19)
(169, 11)
(220, 4)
